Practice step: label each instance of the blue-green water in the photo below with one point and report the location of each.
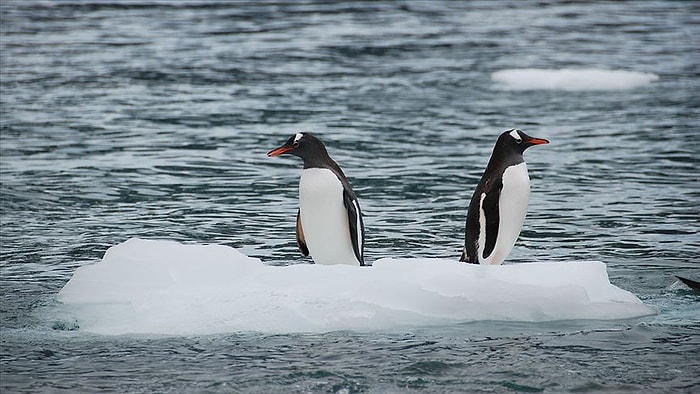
(152, 119)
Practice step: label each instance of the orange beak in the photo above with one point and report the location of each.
(279, 151)
(537, 141)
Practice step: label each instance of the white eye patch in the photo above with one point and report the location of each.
(515, 135)
(297, 137)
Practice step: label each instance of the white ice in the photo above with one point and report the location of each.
(164, 287)
(571, 79)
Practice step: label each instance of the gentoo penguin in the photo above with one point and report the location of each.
(499, 204)
(329, 220)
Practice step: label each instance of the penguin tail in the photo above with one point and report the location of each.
(465, 259)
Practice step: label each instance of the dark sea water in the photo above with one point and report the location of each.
(151, 119)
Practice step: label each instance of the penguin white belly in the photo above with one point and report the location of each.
(324, 217)
(512, 208)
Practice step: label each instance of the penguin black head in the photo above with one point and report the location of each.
(303, 145)
(510, 146)
(512, 143)
(515, 140)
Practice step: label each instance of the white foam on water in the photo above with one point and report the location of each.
(571, 79)
(164, 287)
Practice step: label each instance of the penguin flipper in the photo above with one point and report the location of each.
(470, 251)
(301, 242)
(492, 217)
(357, 227)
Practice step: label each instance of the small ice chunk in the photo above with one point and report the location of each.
(571, 79)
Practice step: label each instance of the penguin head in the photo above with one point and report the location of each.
(516, 140)
(303, 145)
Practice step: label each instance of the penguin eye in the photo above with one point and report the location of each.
(297, 138)
(518, 140)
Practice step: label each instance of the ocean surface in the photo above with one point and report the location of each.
(152, 119)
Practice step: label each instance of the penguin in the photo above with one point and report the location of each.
(499, 203)
(329, 223)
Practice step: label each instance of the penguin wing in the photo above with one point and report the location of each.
(470, 251)
(491, 216)
(301, 242)
(357, 227)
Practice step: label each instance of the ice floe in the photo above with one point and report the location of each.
(165, 287)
